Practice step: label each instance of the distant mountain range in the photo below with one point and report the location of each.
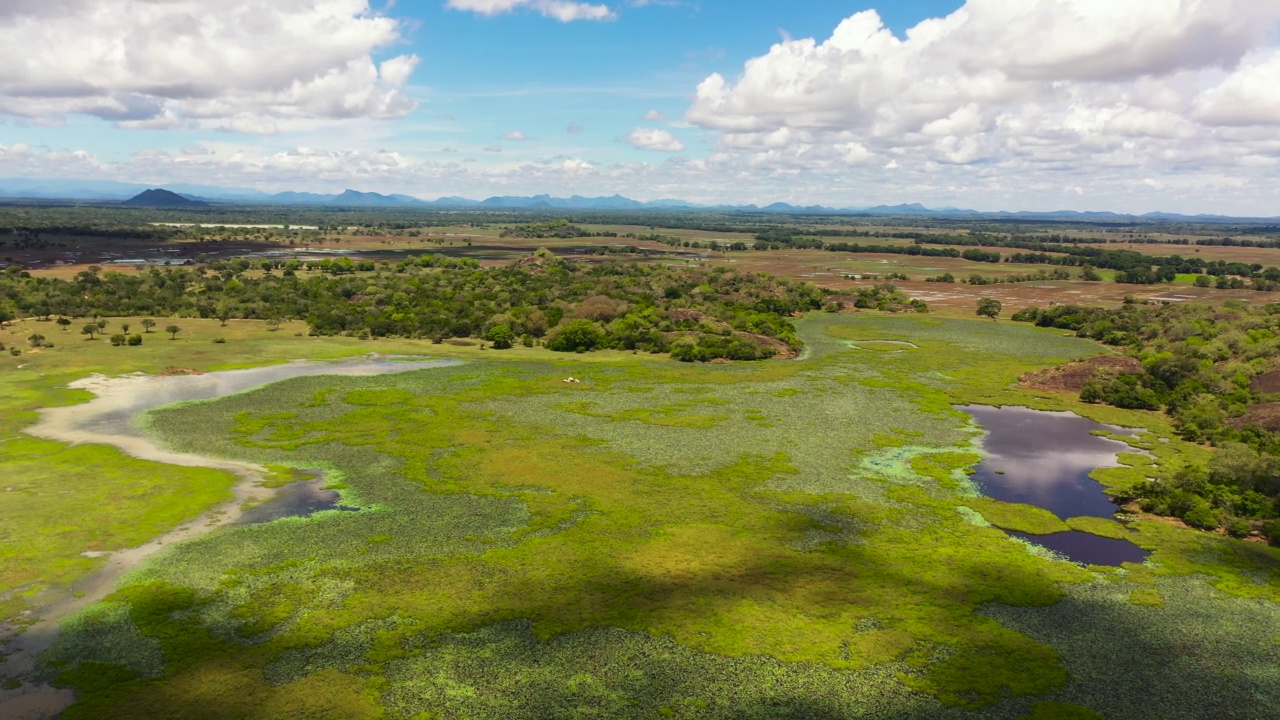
(194, 196)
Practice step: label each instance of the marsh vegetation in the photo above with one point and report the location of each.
(562, 521)
(800, 539)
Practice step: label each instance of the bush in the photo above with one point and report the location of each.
(502, 337)
(1027, 315)
(576, 336)
(118, 340)
(1272, 531)
(219, 341)
(1125, 391)
(710, 347)
(1201, 515)
(1237, 527)
(135, 340)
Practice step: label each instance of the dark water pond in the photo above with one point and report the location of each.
(1088, 549)
(1044, 459)
(300, 499)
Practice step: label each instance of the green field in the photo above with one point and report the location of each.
(784, 540)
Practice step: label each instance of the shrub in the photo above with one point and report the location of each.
(501, 336)
(1125, 391)
(118, 340)
(135, 340)
(1272, 531)
(710, 347)
(1201, 515)
(576, 336)
(1237, 527)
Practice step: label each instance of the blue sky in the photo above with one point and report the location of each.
(995, 104)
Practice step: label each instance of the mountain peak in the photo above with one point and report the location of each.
(161, 198)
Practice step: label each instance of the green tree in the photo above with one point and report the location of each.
(501, 336)
(576, 336)
(148, 324)
(173, 331)
(64, 322)
(91, 330)
(990, 308)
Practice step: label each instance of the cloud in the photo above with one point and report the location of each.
(574, 129)
(654, 116)
(516, 136)
(1250, 96)
(655, 139)
(1017, 87)
(561, 10)
(249, 66)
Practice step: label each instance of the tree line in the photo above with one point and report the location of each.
(542, 299)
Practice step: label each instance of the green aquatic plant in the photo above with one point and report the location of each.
(531, 547)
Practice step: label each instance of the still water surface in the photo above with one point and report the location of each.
(300, 499)
(1044, 459)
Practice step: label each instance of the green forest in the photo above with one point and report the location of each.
(573, 307)
(1213, 371)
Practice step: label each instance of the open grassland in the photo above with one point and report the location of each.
(791, 539)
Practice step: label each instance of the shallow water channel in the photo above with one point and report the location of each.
(1044, 459)
(112, 418)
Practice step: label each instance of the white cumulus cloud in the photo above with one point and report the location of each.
(562, 10)
(242, 65)
(655, 139)
(1018, 85)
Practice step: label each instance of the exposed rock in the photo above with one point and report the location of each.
(1267, 415)
(1072, 377)
(1266, 382)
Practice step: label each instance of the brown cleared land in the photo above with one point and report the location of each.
(64, 256)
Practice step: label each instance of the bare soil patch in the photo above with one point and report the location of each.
(174, 370)
(1072, 377)
(1267, 415)
(1266, 382)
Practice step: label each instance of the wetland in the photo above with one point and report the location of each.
(823, 537)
